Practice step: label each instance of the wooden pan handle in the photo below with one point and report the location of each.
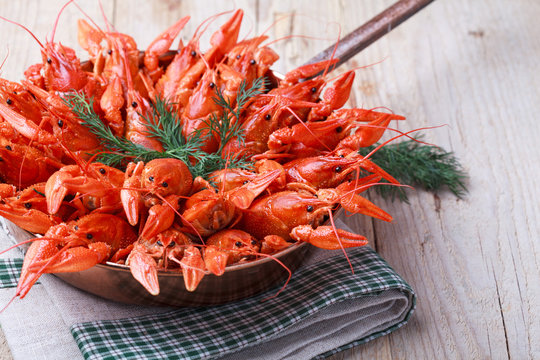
(371, 31)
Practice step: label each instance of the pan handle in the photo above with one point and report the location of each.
(371, 31)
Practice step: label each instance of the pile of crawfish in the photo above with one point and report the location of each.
(155, 215)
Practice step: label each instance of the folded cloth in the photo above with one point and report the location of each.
(323, 310)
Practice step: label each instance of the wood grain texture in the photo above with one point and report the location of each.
(471, 65)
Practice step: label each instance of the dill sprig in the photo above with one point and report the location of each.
(164, 124)
(413, 163)
(245, 94)
(226, 125)
(117, 148)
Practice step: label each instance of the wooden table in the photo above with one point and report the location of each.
(472, 65)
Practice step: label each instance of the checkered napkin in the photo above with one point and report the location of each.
(324, 309)
(10, 269)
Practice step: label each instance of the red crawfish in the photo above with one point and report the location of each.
(170, 249)
(209, 211)
(97, 185)
(300, 215)
(75, 246)
(228, 247)
(330, 171)
(28, 209)
(151, 182)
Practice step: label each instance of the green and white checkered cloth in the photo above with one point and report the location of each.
(10, 270)
(324, 309)
(205, 333)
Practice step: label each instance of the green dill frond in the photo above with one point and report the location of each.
(416, 164)
(226, 126)
(164, 124)
(117, 149)
(38, 192)
(244, 95)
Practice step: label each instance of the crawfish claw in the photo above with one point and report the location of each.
(324, 237)
(192, 268)
(144, 269)
(215, 260)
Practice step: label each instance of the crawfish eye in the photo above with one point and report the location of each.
(193, 53)
(89, 236)
(211, 85)
(252, 62)
(134, 104)
(172, 244)
(151, 179)
(245, 182)
(238, 56)
(8, 148)
(253, 242)
(27, 205)
(102, 170)
(164, 184)
(309, 208)
(76, 227)
(9, 101)
(49, 60)
(159, 243)
(339, 129)
(238, 244)
(314, 89)
(60, 123)
(109, 51)
(267, 116)
(338, 169)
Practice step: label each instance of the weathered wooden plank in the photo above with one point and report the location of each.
(472, 65)
(461, 259)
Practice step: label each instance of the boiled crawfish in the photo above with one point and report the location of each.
(306, 146)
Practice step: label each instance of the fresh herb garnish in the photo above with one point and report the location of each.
(117, 148)
(413, 163)
(244, 96)
(163, 123)
(39, 192)
(227, 125)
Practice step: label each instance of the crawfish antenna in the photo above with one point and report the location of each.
(289, 36)
(58, 18)
(333, 52)
(339, 239)
(296, 36)
(4, 61)
(286, 282)
(398, 136)
(88, 17)
(276, 21)
(104, 16)
(19, 244)
(25, 28)
(197, 35)
(9, 303)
